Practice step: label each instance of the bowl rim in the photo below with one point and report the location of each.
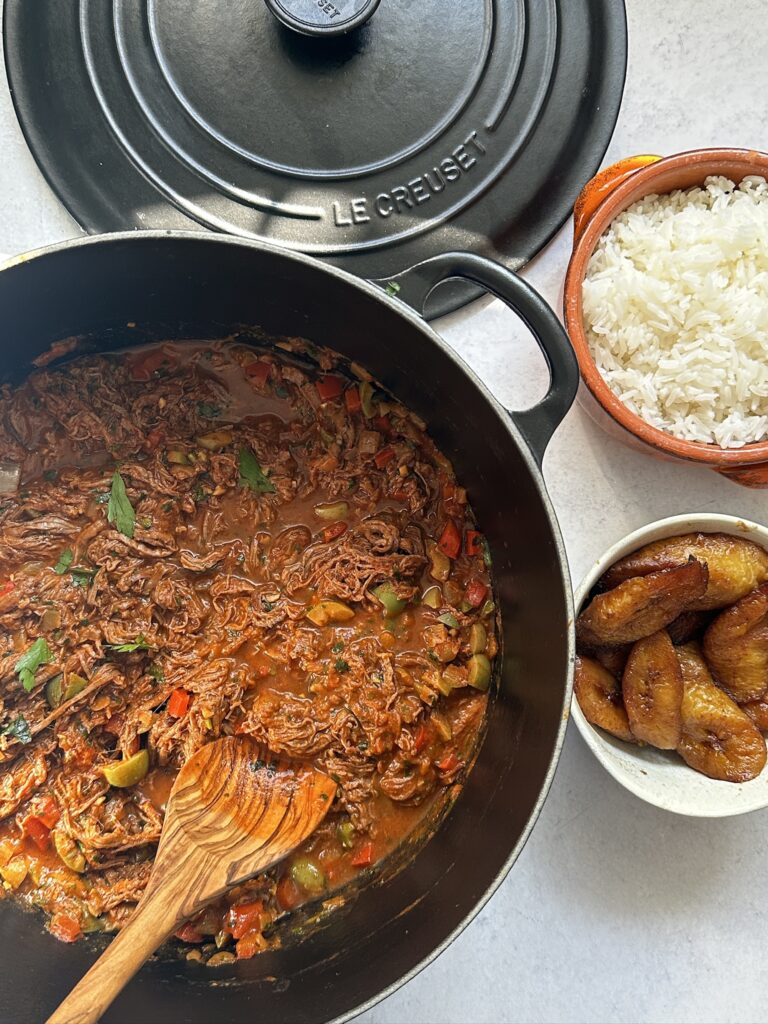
(635, 186)
(695, 522)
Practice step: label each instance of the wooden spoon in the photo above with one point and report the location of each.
(234, 811)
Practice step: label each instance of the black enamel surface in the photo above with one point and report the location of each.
(435, 126)
(188, 286)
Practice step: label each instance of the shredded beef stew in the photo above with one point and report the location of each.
(202, 539)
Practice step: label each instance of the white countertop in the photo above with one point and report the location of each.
(615, 911)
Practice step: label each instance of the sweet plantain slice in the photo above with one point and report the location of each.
(688, 626)
(758, 712)
(719, 739)
(736, 647)
(613, 658)
(641, 606)
(599, 697)
(736, 565)
(653, 691)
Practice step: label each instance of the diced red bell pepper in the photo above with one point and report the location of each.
(476, 593)
(250, 944)
(352, 399)
(474, 542)
(37, 830)
(178, 703)
(384, 457)
(243, 917)
(288, 893)
(154, 439)
(450, 540)
(65, 928)
(332, 532)
(46, 809)
(329, 387)
(421, 738)
(382, 423)
(7, 587)
(150, 363)
(449, 763)
(188, 933)
(363, 857)
(259, 372)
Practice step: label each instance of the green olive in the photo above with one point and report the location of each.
(308, 876)
(123, 774)
(478, 638)
(479, 672)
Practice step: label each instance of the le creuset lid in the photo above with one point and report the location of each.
(431, 126)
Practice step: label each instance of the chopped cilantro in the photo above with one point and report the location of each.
(338, 647)
(486, 552)
(281, 392)
(50, 475)
(120, 511)
(208, 410)
(252, 475)
(64, 562)
(342, 666)
(81, 576)
(198, 494)
(32, 659)
(157, 673)
(167, 506)
(392, 288)
(18, 727)
(103, 498)
(139, 644)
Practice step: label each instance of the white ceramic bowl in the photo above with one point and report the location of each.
(661, 777)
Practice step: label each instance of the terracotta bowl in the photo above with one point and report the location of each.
(603, 198)
(661, 777)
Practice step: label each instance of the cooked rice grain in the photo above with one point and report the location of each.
(676, 311)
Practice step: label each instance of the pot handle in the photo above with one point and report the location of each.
(600, 187)
(537, 425)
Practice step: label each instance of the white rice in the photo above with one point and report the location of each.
(676, 311)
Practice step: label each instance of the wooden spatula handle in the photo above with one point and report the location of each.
(155, 918)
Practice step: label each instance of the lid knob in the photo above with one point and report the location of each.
(322, 17)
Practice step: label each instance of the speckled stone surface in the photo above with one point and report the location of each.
(615, 911)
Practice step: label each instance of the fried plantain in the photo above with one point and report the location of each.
(736, 565)
(613, 658)
(736, 647)
(688, 626)
(599, 697)
(641, 606)
(719, 739)
(758, 712)
(653, 691)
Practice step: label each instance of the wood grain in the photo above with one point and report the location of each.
(234, 811)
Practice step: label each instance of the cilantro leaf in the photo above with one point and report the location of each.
(139, 644)
(120, 510)
(31, 660)
(157, 673)
(392, 288)
(18, 727)
(338, 647)
(209, 410)
(252, 475)
(64, 562)
(81, 576)
(342, 666)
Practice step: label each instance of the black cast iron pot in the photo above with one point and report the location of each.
(202, 286)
